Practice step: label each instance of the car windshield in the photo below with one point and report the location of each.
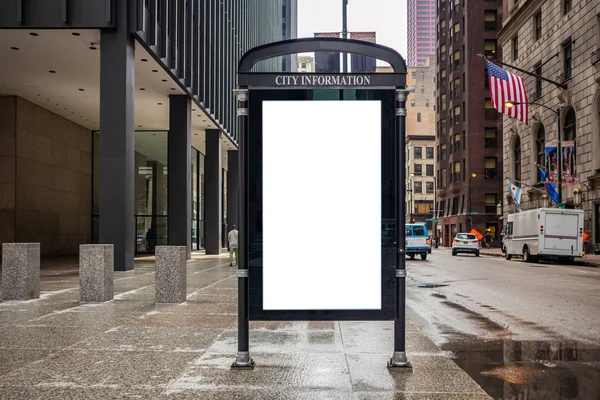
(466, 236)
(419, 230)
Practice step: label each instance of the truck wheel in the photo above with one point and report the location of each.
(424, 256)
(454, 253)
(412, 256)
(507, 256)
(526, 255)
(569, 260)
(477, 254)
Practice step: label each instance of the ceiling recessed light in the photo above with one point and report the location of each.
(81, 90)
(33, 34)
(154, 70)
(75, 33)
(144, 60)
(52, 71)
(164, 80)
(14, 48)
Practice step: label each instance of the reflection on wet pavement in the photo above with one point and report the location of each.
(507, 369)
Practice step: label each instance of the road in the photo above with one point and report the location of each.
(517, 328)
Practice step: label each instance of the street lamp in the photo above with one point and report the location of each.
(577, 196)
(473, 175)
(511, 104)
(545, 199)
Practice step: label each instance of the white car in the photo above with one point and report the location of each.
(466, 243)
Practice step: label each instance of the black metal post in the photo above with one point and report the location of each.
(243, 360)
(399, 359)
(345, 33)
(470, 202)
(559, 154)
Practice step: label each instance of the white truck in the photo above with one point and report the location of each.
(544, 233)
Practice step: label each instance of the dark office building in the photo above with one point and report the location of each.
(117, 120)
(328, 62)
(469, 130)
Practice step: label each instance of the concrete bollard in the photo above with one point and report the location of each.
(96, 266)
(171, 274)
(20, 271)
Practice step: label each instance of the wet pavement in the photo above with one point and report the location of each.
(58, 348)
(519, 334)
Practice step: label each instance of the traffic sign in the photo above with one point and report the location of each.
(427, 219)
(435, 220)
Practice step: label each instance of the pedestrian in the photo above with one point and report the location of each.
(488, 239)
(232, 243)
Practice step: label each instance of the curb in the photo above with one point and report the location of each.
(580, 263)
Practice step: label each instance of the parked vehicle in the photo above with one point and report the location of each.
(466, 243)
(416, 241)
(545, 233)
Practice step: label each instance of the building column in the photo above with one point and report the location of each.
(179, 220)
(117, 140)
(212, 192)
(233, 188)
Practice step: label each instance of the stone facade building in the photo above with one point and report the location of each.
(559, 40)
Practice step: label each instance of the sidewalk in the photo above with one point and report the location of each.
(589, 260)
(56, 348)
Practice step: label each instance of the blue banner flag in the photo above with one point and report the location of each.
(542, 174)
(552, 193)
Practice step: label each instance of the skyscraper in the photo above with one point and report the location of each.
(421, 31)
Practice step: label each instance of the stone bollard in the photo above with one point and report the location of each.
(20, 271)
(96, 266)
(171, 274)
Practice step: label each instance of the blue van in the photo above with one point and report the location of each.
(416, 241)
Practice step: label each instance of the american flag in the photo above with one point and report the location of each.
(504, 87)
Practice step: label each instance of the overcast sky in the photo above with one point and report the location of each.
(386, 17)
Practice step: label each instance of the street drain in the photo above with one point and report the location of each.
(431, 285)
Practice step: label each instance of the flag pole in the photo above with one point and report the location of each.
(560, 85)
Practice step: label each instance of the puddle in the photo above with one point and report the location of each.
(438, 295)
(508, 369)
(431, 285)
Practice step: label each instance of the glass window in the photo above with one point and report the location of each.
(412, 103)
(413, 74)
(418, 152)
(429, 187)
(490, 111)
(443, 126)
(418, 169)
(517, 159)
(444, 175)
(567, 59)
(429, 169)
(457, 114)
(456, 142)
(490, 20)
(540, 144)
(418, 117)
(538, 81)
(418, 230)
(490, 168)
(491, 138)
(515, 47)
(429, 152)
(418, 187)
(570, 134)
(457, 27)
(444, 152)
(566, 6)
(537, 25)
(490, 48)
(456, 177)
(426, 102)
(443, 101)
(491, 200)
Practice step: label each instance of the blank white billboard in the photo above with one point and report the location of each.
(321, 205)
